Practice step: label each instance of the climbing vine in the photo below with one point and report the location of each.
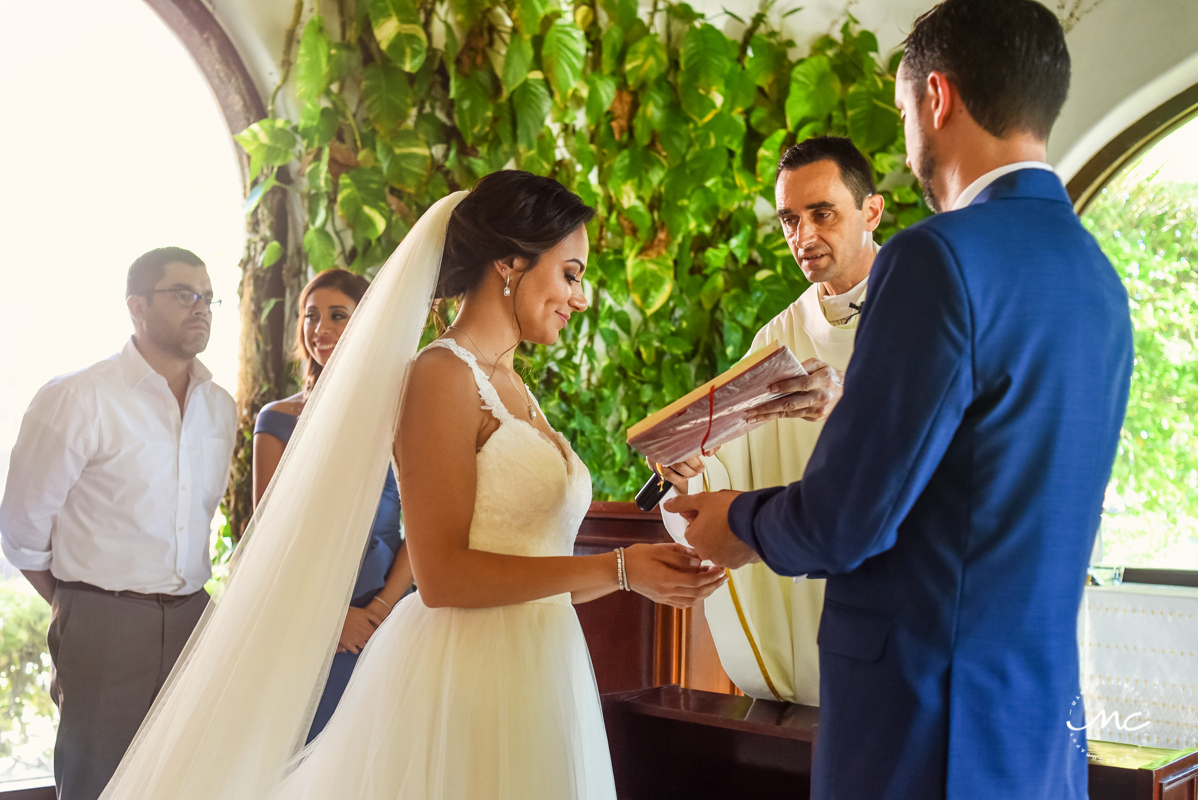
(666, 124)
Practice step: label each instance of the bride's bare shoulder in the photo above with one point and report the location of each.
(441, 377)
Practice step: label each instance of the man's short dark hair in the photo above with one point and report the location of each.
(148, 269)
(1007, 58)
(855, 170)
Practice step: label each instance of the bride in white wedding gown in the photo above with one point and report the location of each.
(479, 686)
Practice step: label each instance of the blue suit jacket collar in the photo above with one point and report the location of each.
(1035, 184)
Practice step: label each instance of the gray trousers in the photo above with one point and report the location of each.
(110, 657)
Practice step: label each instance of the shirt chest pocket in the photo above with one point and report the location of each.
(215, 464)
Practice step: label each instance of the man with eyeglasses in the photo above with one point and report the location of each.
(114, 479)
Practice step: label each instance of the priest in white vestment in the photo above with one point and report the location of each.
(765, 625)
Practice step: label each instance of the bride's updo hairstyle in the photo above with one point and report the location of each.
(508, 213)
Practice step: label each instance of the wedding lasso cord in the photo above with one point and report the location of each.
(710, 421)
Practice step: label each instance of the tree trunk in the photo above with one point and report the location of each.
(267, 340)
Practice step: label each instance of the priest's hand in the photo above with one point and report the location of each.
(708, 531)
(811, 397)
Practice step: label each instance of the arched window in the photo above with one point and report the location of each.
(1145, 218)
(117, 145)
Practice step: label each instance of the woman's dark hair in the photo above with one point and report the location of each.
(351, 285)
(1007, 58)
(508, 213)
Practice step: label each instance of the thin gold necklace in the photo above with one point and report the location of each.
(532, 412)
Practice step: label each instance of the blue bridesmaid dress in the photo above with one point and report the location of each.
(385, 540)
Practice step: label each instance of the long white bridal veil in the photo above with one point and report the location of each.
(239, 702)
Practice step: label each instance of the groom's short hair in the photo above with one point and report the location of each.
(855, 171)
(1007, 58)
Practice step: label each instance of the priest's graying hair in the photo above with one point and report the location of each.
(855, 171)
(1007, 58)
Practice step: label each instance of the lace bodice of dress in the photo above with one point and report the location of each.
(532, 493)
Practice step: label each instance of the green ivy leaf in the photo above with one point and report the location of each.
(321, 249)
(318, 124)
(767, 159)
(765, 63)
(467, 12)
(531, 102)
(622, 12)
(706, 56)
(650, 281)
(472, 104)
(698, 105)
(259, 191)
(814, 91)
(387, 96)
(873, 120)
(312, 61)
(740, 90)
(405, 160)
(601, 91)
(651, 113)
(343, 59)
(886, 163)
(268, 143)
(645, 61)
(674, 135)
(397, 28)
(517, 61)
(271, 254)
(904, 194)
(712, 290)
(529, 14)
(362, 200)
(613, 46)
(562, 52)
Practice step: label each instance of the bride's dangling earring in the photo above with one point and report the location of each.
(507, 288)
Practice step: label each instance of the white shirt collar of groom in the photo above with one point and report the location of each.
(975, 188)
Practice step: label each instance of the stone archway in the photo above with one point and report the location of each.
(265, 349)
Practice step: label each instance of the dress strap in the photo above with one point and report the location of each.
(486, 389)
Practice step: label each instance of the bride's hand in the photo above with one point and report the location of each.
(670, 573)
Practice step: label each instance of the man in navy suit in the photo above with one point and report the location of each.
(954, 495)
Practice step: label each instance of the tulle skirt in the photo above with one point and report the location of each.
(464, 704)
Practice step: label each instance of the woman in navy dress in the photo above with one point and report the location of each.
(386, 575)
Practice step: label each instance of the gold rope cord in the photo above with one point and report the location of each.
(744, 624)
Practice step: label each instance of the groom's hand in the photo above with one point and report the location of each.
(707, 530)
(811, 397)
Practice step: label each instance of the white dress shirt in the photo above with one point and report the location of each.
(839, 308)
(108, 485)
(975, 188)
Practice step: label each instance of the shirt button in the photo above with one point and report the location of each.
(180, 528)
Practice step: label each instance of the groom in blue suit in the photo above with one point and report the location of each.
(954, 495)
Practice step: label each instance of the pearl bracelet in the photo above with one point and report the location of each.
(621, 570)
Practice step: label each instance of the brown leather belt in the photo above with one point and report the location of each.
(157, 597)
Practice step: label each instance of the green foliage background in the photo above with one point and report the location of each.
(1149, 229)
(665, 124)
(25, 703)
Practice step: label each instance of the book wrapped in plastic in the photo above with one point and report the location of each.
(716, 412)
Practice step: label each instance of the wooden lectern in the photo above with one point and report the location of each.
(678, 728)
